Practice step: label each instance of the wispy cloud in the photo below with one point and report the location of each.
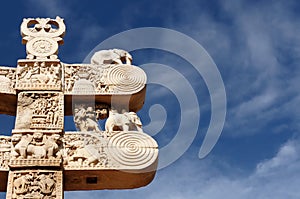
(277, 177)
(48, 8)
(248, 41)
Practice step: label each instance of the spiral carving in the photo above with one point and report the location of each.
(127, 78)
(133, 149)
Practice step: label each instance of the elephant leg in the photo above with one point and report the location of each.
(23, 152)
(125, 127)
(50, 152)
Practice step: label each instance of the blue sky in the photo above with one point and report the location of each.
(256, 47)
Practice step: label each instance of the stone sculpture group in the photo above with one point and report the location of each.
(40, 159)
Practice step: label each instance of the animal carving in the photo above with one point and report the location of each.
(20, 145)
(21, 184)
(116, 122)
(36, 145)
(127, 121)
(112, 56)
(84, 153)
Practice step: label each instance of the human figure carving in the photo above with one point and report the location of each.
(86, 120)
(36, 147)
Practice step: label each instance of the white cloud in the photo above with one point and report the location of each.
(278, 177)
(288, 155)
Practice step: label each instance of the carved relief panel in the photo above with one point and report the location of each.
(36, 148)
(40, 110)
(39, 75)
(5, 152)
(86, 117)
(119, 150)
(105, 78)
(42, 184)
(85, 150)
(7, 80)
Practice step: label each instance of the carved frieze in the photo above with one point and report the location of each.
(5, 152)
(7, 80)
(84, 150)
(44, 184)
(106, 79)
(40, 110)
(119, 150)
(39, 75)
(36, 148)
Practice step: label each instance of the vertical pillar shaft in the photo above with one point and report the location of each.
(35, 166)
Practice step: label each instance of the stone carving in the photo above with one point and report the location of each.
(36, 148)
(45, 75)
(42, 184)
(91, 159)
(84, 150)
(125, 121)
(101, 111)
(106, 78)
(36, 145)
(40, 110)
(42, 37)
(7, 80)
(120, 150)
(85, 119)
(112, 56)
(5, 152)
(132, 150)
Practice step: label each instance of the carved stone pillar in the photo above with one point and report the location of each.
(36, 140)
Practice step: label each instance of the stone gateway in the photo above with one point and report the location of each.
(40, 160)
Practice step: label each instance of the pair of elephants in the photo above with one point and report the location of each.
(86, 120)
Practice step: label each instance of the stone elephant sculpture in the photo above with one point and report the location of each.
(112, 56)
(117, 122)
(125, 121)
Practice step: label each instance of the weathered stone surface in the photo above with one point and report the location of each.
(119, 150)
(121, 160)
(7, 80)
(39, 75)
(40, 110)
(37, 148)
(106, 79)
(35, 184)
(5, 152)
